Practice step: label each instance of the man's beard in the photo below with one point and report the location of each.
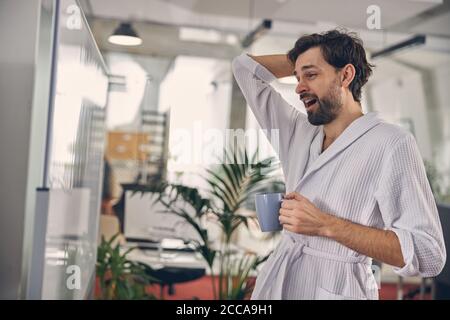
(327, 108)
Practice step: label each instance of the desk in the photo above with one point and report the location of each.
(170, 266)
(158, 259)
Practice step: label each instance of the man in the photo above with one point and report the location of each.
(356, 186)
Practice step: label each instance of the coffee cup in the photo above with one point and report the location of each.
(268, 211)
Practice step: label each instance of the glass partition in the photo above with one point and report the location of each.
(75, 157)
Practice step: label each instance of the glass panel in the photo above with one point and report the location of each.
(76, 159)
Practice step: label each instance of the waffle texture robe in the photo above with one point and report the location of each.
(372, 174)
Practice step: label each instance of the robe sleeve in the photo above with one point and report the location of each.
(274, 114)
(408, 208)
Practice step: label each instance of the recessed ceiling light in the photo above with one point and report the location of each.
(125, 35)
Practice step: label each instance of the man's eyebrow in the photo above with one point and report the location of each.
(307, 67)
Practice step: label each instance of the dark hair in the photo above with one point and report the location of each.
(339, 48)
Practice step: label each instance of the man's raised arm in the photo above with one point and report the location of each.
(254, 76)
(278, 64)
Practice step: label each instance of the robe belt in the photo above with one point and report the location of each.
(272, 284)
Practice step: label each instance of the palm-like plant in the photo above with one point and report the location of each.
(237, 283)
(230, 185)
(119, 277)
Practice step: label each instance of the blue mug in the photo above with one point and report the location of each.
(268, 211)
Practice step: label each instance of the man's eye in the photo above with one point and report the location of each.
(310, 75)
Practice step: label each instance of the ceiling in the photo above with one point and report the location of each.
(240, 14)
(158, 21)
(159, 40)
(439, 25)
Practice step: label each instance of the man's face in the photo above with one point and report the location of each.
(318, 86)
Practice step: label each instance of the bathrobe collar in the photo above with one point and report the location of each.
(355, 130)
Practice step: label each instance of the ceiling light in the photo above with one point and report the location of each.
(125, 35)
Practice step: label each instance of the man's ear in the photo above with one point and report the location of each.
(348, 73)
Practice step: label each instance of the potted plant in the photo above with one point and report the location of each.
(120, 278)
(231, 185)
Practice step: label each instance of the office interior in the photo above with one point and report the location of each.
(109, 149)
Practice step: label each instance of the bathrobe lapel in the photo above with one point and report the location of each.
(355, 130)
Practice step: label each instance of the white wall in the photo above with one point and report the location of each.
(124, 106)
(401, 99)
(441, 146)
(198, 109)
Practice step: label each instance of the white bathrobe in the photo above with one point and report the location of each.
(372, 174)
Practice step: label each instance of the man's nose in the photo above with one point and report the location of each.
(301, 88)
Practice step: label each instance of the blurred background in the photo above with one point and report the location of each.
(113, 115)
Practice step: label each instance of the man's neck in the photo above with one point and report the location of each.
(347, 115)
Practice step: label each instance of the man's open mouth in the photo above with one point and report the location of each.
(309, 102)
